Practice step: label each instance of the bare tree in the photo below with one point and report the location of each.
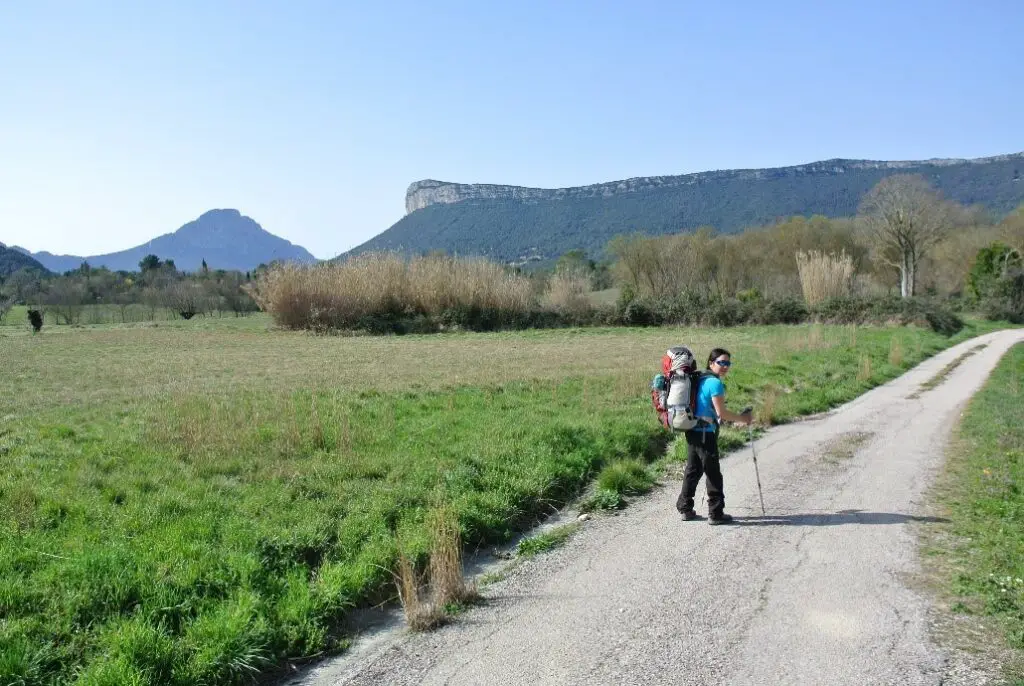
(229, 293)
(66, 297)
(664, 266)
(905, 218)
(187, 298)
(23, 285)
(1013, 229)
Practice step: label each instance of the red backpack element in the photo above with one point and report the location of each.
(674, 390)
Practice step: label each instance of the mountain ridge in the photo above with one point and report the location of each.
(12, 260)
(224, 238)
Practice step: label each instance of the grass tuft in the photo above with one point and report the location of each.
(625, 477)
(547, 540)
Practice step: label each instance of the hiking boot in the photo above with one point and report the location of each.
(690, 515)
(720, 519)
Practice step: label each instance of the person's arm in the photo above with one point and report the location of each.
(728, 415)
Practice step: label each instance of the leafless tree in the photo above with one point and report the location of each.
(66, 298)
(1013, 229)
(905, 218)
(664, 266)
(187, 298)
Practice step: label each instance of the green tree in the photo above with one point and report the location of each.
(574, 261)
(992, 264)
(149, 263)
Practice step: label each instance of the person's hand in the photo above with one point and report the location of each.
(748, 415)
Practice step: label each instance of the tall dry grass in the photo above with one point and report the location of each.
(824, 276)
(421, 613)
(338, 295)
(426, 597)
(568, 294)
(864, 372)
(895, 352)
(447, 581)
(765, 412)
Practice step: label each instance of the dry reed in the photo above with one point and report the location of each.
(448, 584)
(337, 295)
(420, 613)
(424, 601)
(567, 294)
(824, 276)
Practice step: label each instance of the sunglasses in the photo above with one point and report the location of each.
(723, 363)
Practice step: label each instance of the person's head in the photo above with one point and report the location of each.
(719, 361)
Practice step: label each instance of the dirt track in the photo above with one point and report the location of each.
(814, 593)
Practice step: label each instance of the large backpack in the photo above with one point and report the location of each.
(674, 390)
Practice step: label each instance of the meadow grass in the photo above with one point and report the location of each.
(101, 314)
(982, 549)
(200, 501)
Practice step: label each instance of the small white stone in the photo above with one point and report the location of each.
(584, 517)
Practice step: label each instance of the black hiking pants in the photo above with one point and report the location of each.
(702, 460)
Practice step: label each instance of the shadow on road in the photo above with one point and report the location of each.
(835, 518)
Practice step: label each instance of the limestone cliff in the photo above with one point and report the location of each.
(431, 192)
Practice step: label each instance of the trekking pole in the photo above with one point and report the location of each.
(753, 452)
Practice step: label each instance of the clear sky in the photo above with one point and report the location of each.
(120, 121)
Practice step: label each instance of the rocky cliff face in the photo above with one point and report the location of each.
(430, 192)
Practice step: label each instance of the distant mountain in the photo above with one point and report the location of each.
(513, 223)
(226, 239)
(11, 260)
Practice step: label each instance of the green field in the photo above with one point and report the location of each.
(92, 315)
(982, 493)
(192, 502)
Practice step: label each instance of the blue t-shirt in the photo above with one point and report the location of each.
(710, 387)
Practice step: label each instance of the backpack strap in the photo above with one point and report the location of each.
(694, 391)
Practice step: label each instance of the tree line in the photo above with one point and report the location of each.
(906, 240)
(157, 286)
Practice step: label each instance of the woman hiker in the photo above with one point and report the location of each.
(702, 441)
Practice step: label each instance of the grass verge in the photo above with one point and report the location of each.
(979, 555)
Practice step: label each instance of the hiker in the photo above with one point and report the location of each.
(702, 441)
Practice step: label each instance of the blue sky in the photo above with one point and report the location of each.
(120, 121)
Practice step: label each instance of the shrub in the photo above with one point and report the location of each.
(1007, 301)
(639, 313)
(783, 311)
(888, 310)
